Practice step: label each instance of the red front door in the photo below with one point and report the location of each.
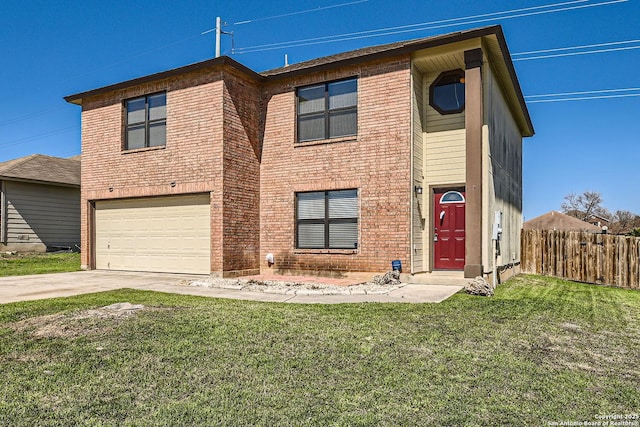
(448, 229)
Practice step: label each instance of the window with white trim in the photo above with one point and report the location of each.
(328, 110)
(146, 121)
(327, 219)
(452, 197)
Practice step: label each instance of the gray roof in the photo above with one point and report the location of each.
(554, 220)
(41, 168)
(383, 50)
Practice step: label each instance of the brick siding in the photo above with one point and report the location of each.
(234, 137)
(376, 162)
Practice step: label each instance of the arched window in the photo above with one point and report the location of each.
(452, 197)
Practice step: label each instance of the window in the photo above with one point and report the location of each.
(446, 94)
(146, 121)
(328, 110)
(452, 197)
(327, 220)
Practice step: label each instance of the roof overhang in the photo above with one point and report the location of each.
(491, 39)
(208, 64)
(39, 182)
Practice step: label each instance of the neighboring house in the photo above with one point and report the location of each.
(557, 221)
(403, 151)
(39, 203)
(599, 221)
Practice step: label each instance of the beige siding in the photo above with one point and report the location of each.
(445, 140)
(418, 117)
(503, 172)
(444, 147)
(445, 157)
(42, 214)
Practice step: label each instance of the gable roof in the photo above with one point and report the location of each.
(382, 51)
(41, 168)
(554, 220)
(496, 45)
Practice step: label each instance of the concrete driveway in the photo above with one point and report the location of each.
(42, 286)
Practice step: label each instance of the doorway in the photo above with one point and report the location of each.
(448, 229)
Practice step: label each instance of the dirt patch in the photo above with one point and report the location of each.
(81, 323)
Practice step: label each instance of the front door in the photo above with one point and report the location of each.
(448, 229)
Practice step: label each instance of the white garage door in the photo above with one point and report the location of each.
(164, 234)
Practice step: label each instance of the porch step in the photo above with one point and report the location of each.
(437, 278)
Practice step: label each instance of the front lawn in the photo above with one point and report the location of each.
(540, 351)
(23, 264)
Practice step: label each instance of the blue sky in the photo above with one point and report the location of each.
(52, 49)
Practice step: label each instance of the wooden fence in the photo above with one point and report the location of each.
(585, 257)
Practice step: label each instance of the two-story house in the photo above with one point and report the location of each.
(409, 151)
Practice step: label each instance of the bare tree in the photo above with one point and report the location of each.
(582, 206)
(624, 222)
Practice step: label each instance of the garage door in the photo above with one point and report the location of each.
(165, 234)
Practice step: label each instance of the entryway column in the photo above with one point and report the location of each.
(473, 125)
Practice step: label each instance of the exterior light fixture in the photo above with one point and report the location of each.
(417, 189)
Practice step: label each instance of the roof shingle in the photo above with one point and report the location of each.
(38, 167)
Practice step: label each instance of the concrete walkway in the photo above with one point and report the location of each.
(43, 286)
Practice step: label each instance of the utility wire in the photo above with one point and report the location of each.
(248, 21)
(537, 101)
(569, 5)
(492, 14)
(265, 18)
(593, 94)
(515, 13)
(586, 52)
(557, 49)
(588, 92)
(30, 115)
(35, 137)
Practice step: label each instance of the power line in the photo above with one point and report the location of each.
(583, 98)
(586, 52)
(283, 15)
(30, 116)
(592, 94)
(588, 92)
(557, 49)
(36, 137)
(417, 25)
(474, 19)
(521, 12)
(248, 21)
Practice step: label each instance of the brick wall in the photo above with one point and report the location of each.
(241, 190)
(252, 176)
(377, 162)
(193, 158)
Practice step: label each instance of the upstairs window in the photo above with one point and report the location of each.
(328, 110)
(327, 220)
(446, 94)
(146, 121)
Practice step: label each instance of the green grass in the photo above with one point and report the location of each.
(541, 350)
(23, 264)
